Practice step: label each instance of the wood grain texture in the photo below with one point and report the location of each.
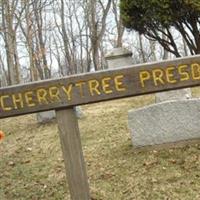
(73, 155)
(100, 86)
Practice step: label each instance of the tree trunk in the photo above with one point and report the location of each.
(141, 49)
(10, 43)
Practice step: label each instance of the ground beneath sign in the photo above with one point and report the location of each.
(32, 167)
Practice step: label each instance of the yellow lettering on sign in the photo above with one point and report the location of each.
(17, 101)
(4, 107)
(119, 84)
(68, 91)
(195, 71)
(80, 85)
(170, 75)
(144, 76)
(42, 96)
(94, 87)
(184, 74)
(29, 98)
(54, 93)
(106, 85)
(158, 76)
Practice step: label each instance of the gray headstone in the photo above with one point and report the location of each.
(174, 95)
(166, 122)
(47, 116)
(44, 117)
(79, 112)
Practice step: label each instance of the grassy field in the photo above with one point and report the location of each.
(31, 164)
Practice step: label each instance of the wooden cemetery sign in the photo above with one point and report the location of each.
(64, 93)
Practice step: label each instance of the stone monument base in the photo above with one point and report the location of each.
(166, 122)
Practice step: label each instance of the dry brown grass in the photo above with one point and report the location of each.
(31, 164)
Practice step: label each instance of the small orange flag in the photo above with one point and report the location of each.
(2, 135)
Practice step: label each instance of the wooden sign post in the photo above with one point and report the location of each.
(72, 154)
(65, 93)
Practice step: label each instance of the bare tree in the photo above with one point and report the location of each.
(38, 9)
(97, 27)
(142, 53)
(3, 73)
(120, 28)
(27, 30)
(9, 29)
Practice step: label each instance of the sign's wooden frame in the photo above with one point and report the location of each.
(64, 93)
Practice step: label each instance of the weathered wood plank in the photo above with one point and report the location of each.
(100, 86)
(72, 154)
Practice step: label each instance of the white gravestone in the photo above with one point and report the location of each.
(47, 116)
(173, 118)
(174, 95)
(166, 122)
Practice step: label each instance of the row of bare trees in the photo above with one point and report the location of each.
(41, 39)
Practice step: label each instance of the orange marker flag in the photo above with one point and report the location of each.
(2, 135)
